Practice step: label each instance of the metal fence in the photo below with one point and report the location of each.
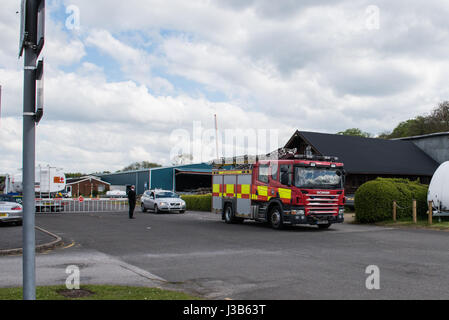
(79, 206)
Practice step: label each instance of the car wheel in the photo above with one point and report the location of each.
(143, 207)
(276, 218)
(156, 209)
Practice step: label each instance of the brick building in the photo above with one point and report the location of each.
(87, 186)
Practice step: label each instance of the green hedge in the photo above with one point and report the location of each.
(374, 199)
(198, 202)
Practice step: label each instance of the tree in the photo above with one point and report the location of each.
(72, 175)
(436, 121)
(413, 127)
(439, 118)
(140, 165)
(355, 132)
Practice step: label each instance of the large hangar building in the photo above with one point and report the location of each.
(184, 178)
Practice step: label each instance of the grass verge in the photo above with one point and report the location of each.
(421, 224)
(97, 292)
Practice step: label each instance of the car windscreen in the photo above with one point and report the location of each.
(166, 195)
(317, 178)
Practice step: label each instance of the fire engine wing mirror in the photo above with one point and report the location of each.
(342, 174)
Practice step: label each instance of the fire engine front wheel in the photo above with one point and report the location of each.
(276, 218)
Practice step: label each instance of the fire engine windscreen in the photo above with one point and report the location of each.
(318, 178)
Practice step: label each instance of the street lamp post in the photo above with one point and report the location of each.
(31, 42)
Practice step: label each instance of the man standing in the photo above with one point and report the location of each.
(132, 201)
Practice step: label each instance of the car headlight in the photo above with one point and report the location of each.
(162, 203)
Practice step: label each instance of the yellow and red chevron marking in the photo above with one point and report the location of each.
(243, 191)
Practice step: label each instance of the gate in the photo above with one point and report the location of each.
(81, 205)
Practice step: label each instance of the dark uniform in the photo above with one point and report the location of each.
(132, 202)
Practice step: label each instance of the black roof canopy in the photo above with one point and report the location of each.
(368, 155)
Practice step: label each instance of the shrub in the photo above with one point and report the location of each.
(374, 199)
(198, 202)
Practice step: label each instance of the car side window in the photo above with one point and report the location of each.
(263, 173)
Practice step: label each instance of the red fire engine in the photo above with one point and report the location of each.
(294, 191)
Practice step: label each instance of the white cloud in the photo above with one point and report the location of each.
(310, 65)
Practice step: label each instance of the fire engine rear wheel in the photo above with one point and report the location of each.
(276, 218)
(229, 214)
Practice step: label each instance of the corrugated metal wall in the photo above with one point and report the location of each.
(161, 178)
(137, 178)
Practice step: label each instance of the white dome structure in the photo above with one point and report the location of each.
(439, 190)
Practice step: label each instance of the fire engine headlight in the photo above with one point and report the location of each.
(342, 211)
(298, 212)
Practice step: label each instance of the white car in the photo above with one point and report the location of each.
(116, 194)
(10, 210)
(162, 201)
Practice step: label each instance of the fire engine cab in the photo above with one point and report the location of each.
(293, 190)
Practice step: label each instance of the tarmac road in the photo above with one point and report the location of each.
(199, 253)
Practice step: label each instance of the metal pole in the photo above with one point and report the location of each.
(29, 140)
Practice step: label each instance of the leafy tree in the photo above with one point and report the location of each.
(355, 132)
(439, 118)
(436, 121)
(140, 166)
(74, 175)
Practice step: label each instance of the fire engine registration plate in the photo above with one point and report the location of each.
(322, 222)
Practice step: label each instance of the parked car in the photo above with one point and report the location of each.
(10, 210)
(162, 201)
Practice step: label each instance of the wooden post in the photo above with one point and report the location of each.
(415, 220)
(430, 212)
(394, 211)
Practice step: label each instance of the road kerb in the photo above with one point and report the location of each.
(42, 247)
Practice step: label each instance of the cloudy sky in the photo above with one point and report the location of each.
(121, 79)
